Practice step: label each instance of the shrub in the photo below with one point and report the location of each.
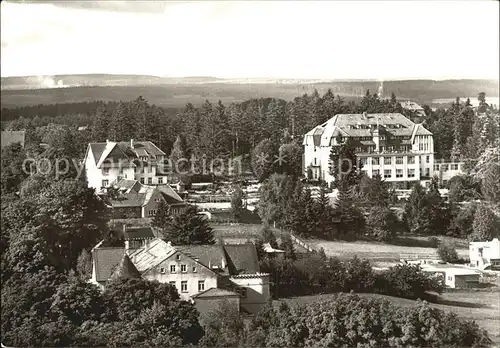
(408, 281)
(433, 242)
(447, 253)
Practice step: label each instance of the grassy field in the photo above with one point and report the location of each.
(481, 306)
(379, 251)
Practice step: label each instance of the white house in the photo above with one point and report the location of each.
(485, 255)
(388, 144)
(192, 269)
(454, 276)
(110, 162)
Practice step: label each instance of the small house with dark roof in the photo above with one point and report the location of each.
(193, 269)
(135, 200)
(211, 299)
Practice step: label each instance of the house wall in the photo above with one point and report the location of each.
(91, 170)
(149, 210)
(316, 158)
(192, 277)
(207, 304)
(462, 281)
(95, 176)
(257, 292)
(481, 253)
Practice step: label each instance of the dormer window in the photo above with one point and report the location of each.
(105, 171)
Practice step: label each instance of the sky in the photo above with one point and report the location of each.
(253, 39)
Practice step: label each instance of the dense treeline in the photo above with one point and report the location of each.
(345, 320)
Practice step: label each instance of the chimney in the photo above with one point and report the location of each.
(107, 141)
(132, 143)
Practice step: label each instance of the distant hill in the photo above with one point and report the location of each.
(176, 92)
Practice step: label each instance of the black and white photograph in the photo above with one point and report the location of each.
(250, 173)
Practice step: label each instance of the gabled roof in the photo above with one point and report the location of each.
(125, 269)
(105, 261)
(123, 150)
(209, 255)
(128, 185)
(151, 254)
(12, 137)
(136, 233)
(215, 292)
(169, 194)
(242, 258)
(363, 125)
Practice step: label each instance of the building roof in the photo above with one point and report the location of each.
(449, 269)
(216, 292)
(228, 259)
(125, 269)
(12, 137)
(105, 261)
(363, 125)
(169, 194)
(242, 258)
(151, 254)
(123, 150)
(138, 233)
(127, 185)
(129, 200)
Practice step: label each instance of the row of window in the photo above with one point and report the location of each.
(399, 173)
(150, 180)
(389, 160)
(184, 285)
(173, 269)
(445, 167)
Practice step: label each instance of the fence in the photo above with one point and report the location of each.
(301, 243)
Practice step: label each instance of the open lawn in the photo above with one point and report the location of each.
(481, 306)
(377, 251)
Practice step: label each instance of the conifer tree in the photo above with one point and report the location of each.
(163, 218)
(486, 225)
(178, 156)
(100, 128)
(188, 227)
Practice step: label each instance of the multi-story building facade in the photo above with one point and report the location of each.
(233, 269)
(389, 144)
(485, 255)
(110, 162)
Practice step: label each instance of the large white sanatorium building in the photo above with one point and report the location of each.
(390, 145)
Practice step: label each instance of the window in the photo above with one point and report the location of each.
(121, 170)
(183, 268)
(172, 268)
(375, 172)
(194, 269)
(178, 257)
(399, 173)
(436, 167)
(105, 183)
(162, 270)
(399, 160)
(201, 285)
(444, 167)
(375, 160)
(411, 173)
(450, 277)
(160, 180)
(105, 171)
(363, 161)
(172, 282)
(184, 286)
(427, 172)
(242, 291)
(387, 173)
(151, 212)
(411, 160)
(150, 181)
(142, 180)
(387, 160)
(427, 159)
(454, 166)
